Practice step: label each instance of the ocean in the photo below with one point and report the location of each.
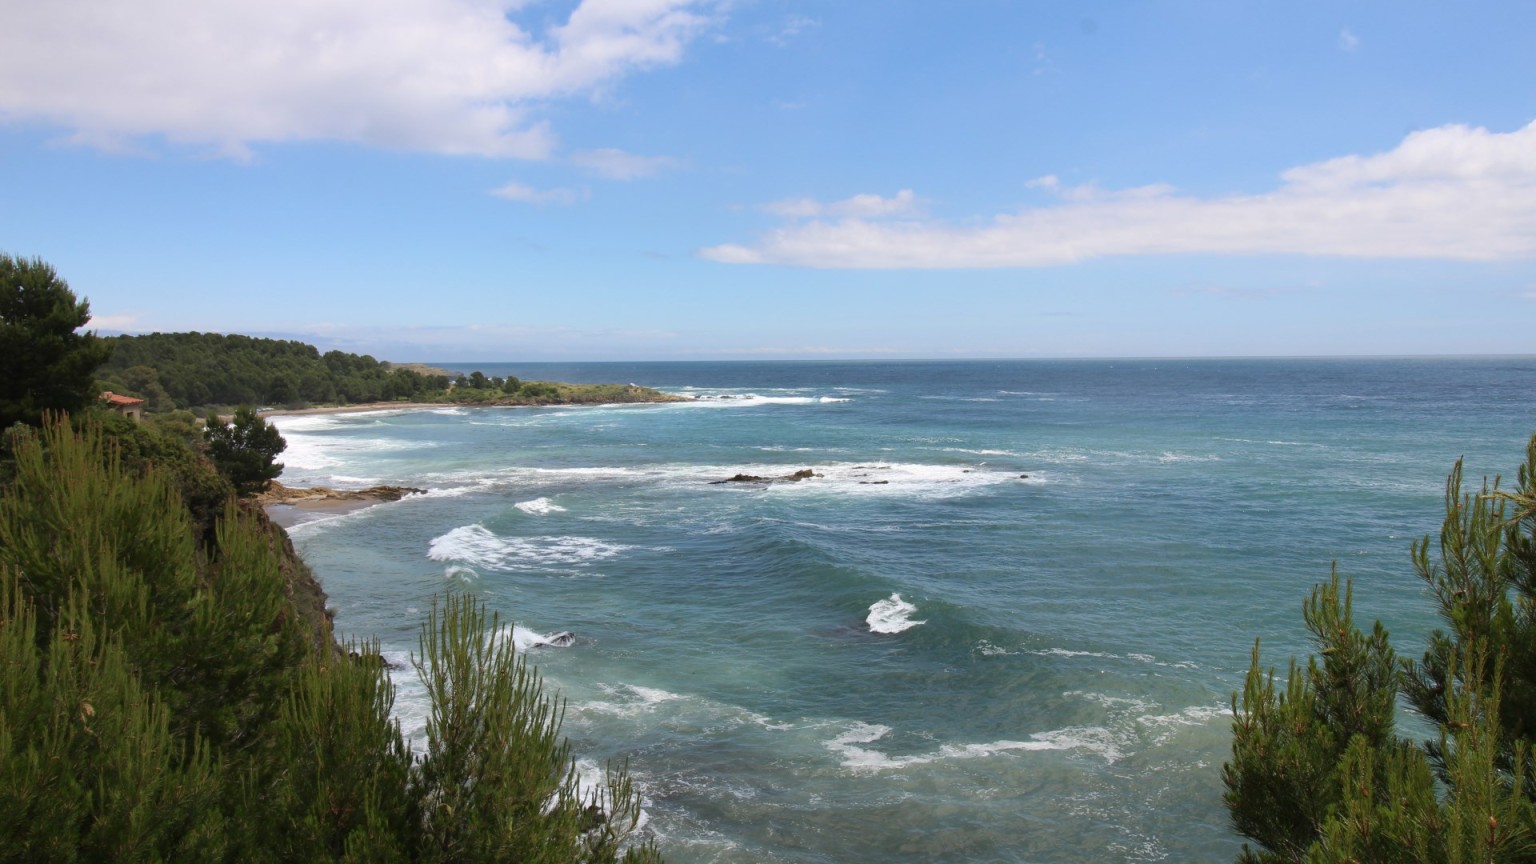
(1002, 622)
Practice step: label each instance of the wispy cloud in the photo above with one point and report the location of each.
(903, 203)
(615, 164)
(1450, 193)
(793, 27)
(1348, 41)
(449, 76)
(126, 321)
(520, 192)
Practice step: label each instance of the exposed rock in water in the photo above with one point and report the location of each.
(563, 639)
(796, 477)
(277, 493)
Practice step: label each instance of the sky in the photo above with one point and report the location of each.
(516, 180)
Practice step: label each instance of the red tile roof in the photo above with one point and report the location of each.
(113, 399)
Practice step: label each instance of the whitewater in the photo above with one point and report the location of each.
(1001, 621)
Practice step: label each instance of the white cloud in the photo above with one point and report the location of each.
(856, 207)
(445, 76)
(127, 321)
(515, 191)
(615, 164)
(793, 27)
(1450, 193)
(1348, 41)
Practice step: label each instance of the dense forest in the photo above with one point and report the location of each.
(184, 370)
(196, 370)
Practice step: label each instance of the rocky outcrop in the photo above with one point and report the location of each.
(796, 477)
(277, 493)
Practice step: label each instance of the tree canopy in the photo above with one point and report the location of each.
(1319, 772)
(163, 698)
(245, 450)
(45, 364)
(185, 370)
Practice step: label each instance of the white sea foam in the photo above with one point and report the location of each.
(1105, 655)
(478, 546)
(539, 506)
(750, 399)
(1171, 457)
(1064, 652)
(413, 704)
(987, 649)
(898, 479)
(524, 639)
(850, 747)
(630, 700)
(891, 615)
(461, 573)
(1195, 715)
(979, 452)
(871, 478)
(317, 452)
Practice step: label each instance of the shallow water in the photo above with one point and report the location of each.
(1004, 624)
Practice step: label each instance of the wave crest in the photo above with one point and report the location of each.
(891, 615)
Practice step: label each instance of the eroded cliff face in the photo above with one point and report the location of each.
(303, 590)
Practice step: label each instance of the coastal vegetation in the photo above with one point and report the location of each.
(1319, 771)
(171, 688)
(212, 370)
(46, 364)
(244, 450)
(186, 370)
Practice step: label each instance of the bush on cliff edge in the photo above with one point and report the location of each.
(160, 699)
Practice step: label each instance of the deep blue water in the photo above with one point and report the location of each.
(1090, 548)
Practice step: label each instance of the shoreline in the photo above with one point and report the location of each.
(356, 409)
(420, 406)
(289, 507)
(294, 514)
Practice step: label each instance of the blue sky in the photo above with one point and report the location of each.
(721, 179)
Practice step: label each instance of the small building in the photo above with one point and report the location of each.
(127, 406)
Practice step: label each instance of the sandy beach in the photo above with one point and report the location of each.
(290, 515)
(357, 409)
(287, 506)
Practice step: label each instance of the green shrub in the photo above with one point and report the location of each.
(161, 697)
(1318, 772)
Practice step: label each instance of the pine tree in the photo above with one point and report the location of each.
(1318, 773)
(245, 451)
(46, 365)
(497, 782)
(160, 699)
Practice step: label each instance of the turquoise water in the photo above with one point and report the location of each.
(1069, 561)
